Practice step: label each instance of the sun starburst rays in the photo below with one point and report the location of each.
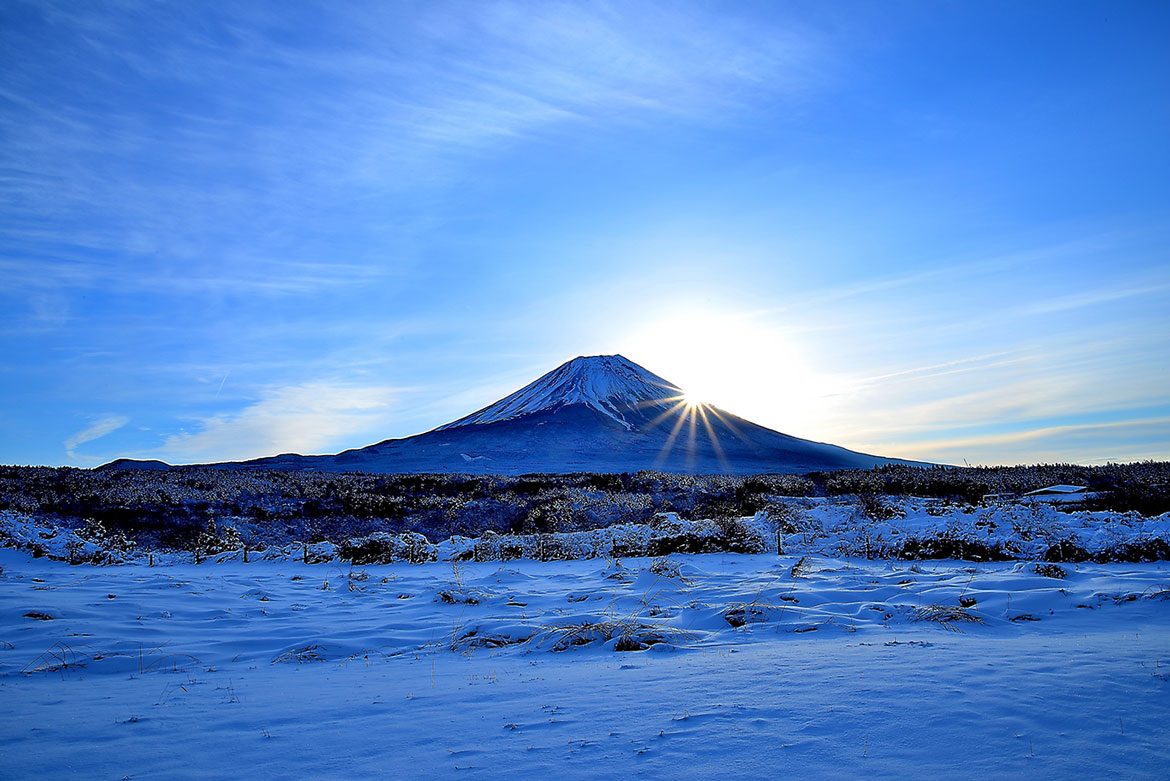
(713, 437)
(687, 411)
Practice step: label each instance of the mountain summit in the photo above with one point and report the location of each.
(598, 413)
(611, 384)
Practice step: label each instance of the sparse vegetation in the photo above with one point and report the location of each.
(1050, 571)
(946, 616)
(666, 568)
(628, 634)
(302, 655)
(744, 613)
(375, 519)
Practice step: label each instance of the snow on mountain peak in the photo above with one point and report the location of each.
(611, 384)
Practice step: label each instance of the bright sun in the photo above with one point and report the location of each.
(735, 362)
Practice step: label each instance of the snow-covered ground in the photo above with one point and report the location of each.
(754, 666)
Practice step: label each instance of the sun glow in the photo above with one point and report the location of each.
(737, 363)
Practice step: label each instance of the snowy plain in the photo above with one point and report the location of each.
(758, 666)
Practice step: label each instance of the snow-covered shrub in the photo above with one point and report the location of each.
(213, 540)
(377, 548)
(385, 548)
(552, 515)
(854, 481)
(739, 536)
(734, 535)
(1152, 549)
(778, 485)
(795, 525)
(788, 517)
(697, 537)
(1066, 550)
(878, 508)
(115, 543)
(1148, 500)
(1050, 571)
(954, 545)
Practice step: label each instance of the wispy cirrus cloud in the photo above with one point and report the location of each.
(1124, 440)
(1092, 298)
(262, 277)
(349, 135)
(98, 429)
(305, 418)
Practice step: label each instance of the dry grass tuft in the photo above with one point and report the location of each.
(57, 658)
(155, 659)
(801, 569)
(630, 633)
(1050, 571)
(740, 614)
(308, 653)
(666, 568)
(1159, 591)
(474, 640)
(946, 616)
(457, 598)
(60, 657)
(627, 635)
(366, 654)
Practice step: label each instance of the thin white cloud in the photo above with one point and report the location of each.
(384, 109)
(946, 270)
(1017, 393)
(1081, 443)
(1093, 298)
(959, 365)
(307, 418)
(100, 428)
(253, 277)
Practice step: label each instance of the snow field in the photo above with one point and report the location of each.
(757, 665)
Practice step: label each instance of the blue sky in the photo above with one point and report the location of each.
(928, 230)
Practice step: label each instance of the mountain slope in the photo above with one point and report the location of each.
(599, 413)
(610, 384)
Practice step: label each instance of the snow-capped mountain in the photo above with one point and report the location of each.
(611, 384)
(600, 413)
